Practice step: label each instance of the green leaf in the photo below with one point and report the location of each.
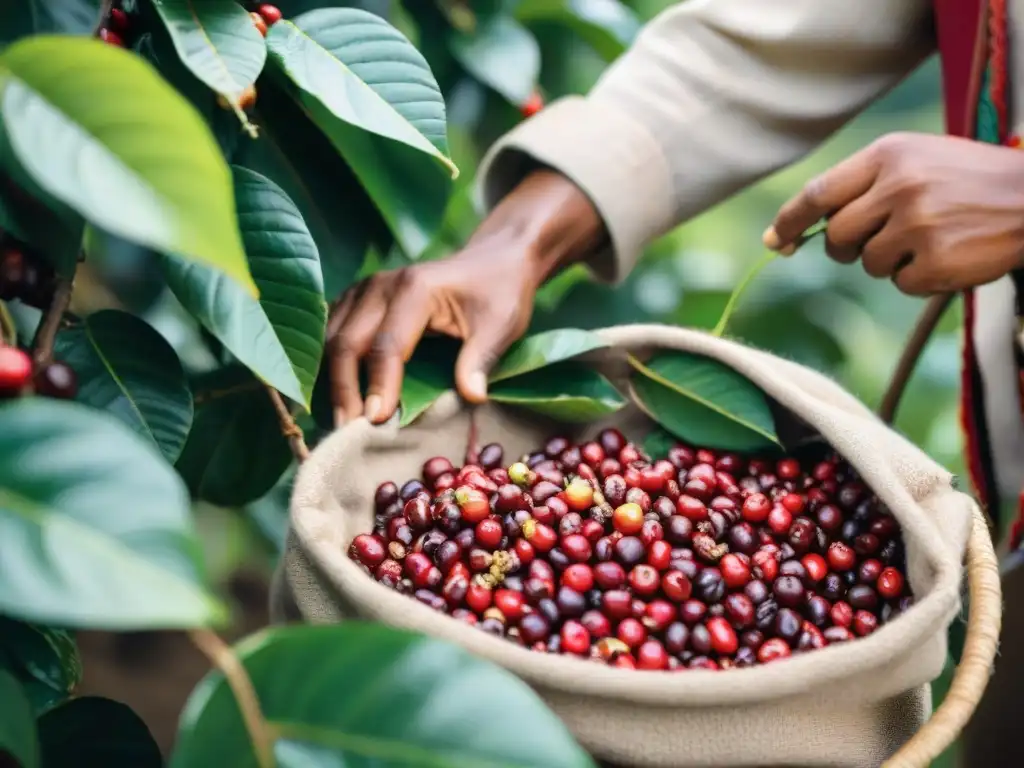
(93, 525)
(218, 42)
(543, 349)
(658, 443)
(704, 402)
(47, 17)
(502, 54)
(568, 392)
(146, 166)
(281, 336)
(608, 26)
(17, 723)
(94, 732)
(392, 682)
(235, 452)
(44, 659)
(129, 370)
(373, 96)
(427, 376)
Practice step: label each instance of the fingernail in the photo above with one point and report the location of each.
(372, 409)
(478, 384)
(789, 250)
(340, 417)
(770, 238)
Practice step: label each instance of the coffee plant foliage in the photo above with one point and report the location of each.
(182, 196)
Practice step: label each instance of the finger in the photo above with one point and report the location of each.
(852, 226)
(341, 309)
(397, 337)
(478, 355)
(886, 251)
(822, 196)
(914, 279)
(349, 345)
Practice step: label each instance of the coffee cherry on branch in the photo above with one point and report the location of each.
(702, 560)
(259, 22)
(15, 371)
(271, 14)
(57, 380)
(111, 37)
(533, 105)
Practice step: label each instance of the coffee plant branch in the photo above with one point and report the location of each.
(223, 658)
(289, 428)
(46, 333)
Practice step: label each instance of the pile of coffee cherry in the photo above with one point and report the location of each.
(699, 560)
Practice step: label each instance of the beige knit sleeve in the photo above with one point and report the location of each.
(712, 96)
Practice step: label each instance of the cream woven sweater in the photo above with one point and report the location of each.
(716, 94)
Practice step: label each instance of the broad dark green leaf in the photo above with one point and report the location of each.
(372, 94)
(17, 723)
(126, 368)
(44, 659)
(658, 443)
(93, 525)
(568, 392)
(235, 452)
(300, 159)
(281, 336)
(56, 239)
(392, 682)
(218, 42)
(94, 732)
(425, 380)
(704, 402)
(502, 54)
(608, 26)
(100, 132)
(47, 17)
(543, 349)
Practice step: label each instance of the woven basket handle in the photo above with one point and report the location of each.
(985, 616)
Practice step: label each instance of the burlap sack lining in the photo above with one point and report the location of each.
(874, 672)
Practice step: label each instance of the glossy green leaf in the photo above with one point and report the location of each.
(704, 402)
(567, 392)
(127, 369)
(17, 723)
(48, 17)
(281, 336)
(542, 349)
(502, 54)
(218, 42)
(44, 659)
(425, 380)
(99, 131)
(235, 452)
(94, 732)
(365, 694)
(608, 26)
(658, 443)
(373, 95)
(93, 525)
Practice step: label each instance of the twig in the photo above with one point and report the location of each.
(734, 297)
(46, 333)
(223, 658)
(926, 324)
(291, 430)
(8, 329)
(204, 396)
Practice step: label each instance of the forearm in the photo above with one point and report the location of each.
(714, 95)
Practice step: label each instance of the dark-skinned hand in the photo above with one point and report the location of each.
(483, 295)
(933, 213)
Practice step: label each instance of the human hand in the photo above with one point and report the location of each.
(483, 295)
(934, 213)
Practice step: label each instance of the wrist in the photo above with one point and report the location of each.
(549, 221)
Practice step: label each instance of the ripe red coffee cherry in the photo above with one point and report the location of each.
(890, 583)
(473, 503)
(111, 37)
(15, 370)
(479, 598)
(659, 555)
(609, 575)
(510, 603)
(864, 623)
(735, 572)
(676, 586)
(723, 636)
(434, 468)
(617, 604)
(368, 550)
(578, 577)
(842, 614)
(576, 547)
(756, 508)
(841, 557)
(815, 566)
(780, 520)
(773, 649)
(631, 632)
(270, 13)
(644, 580)
(691, 508)
(658, 615)
(575, 638)
(651, 656)
(579, 495)
(524, 551)
(423, 573)
(628, 519)
(533, 105)
(788, 469)
(488, 533)
(119, 20)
